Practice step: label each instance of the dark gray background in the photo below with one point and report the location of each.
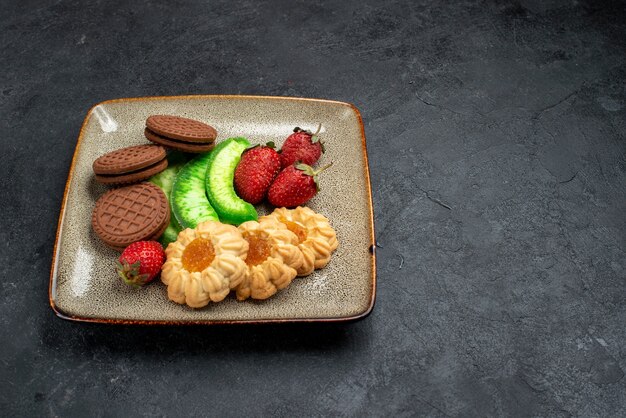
(498, 159)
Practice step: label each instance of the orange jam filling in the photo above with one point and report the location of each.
(198, 255)
(258, 251)
(296, 228)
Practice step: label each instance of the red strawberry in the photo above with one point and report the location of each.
(294, 186)
(256, 171)
(302, 146)
(140, 262)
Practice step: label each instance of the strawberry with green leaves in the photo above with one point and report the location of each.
(301, 146)
(140, 263)
(258, 167)
(294, 186)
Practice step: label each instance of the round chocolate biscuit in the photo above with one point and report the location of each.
(155, 237)
(135, 176)
(129, 159)
(183, 129)
(177, 144)
(130, 213)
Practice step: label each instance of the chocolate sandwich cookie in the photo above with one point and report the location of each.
(179, 133)
(130, 164)
(131, 213)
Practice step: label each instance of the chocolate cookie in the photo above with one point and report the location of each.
(183, 134)
(130, 164)
(131, 213)
(178, 145)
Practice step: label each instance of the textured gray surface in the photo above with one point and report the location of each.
(498, 159)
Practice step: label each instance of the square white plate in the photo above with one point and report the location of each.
(83, 282)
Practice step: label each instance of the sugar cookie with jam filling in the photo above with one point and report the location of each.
(316, 237)
(204, 264)
(273, 259)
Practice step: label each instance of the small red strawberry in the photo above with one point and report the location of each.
(140, 262)
(302, 146)
(294, 186)
(255, 172)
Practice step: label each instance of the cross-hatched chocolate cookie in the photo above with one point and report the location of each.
(130, 164)
(131, 213)
(182, 129)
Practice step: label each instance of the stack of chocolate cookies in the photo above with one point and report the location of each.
(140, 210)
(182, 134)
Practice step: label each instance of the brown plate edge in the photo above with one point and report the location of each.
(372, 248)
